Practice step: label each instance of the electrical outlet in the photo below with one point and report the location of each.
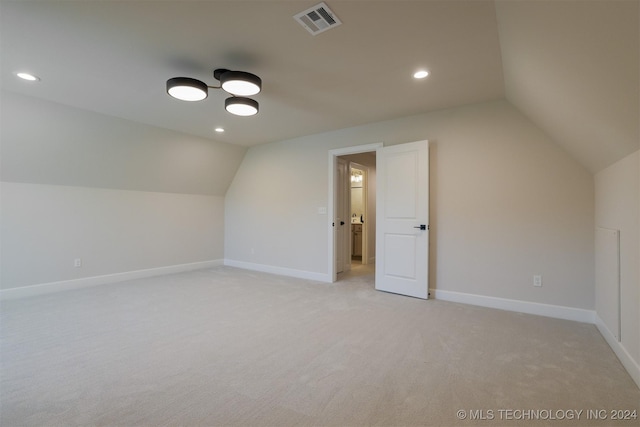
(537, 280)
(77, 262)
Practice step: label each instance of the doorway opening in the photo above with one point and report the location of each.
(353, 193)
(359, 231)
(359, 183)
(401, 217)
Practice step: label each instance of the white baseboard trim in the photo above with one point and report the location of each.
(556, 311)
(85, 282)
(300, 274)
(632, 367)
(548, 310)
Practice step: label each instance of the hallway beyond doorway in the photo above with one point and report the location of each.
(366, 271)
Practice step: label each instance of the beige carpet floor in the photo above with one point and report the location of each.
(231, 347)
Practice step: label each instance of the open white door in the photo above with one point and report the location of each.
(341, 223)
(402, 229)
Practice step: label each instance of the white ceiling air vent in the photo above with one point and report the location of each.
(318, 19)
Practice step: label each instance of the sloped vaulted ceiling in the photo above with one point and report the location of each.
(114, 57)
(572, 68)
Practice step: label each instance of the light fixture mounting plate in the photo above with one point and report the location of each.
(218, 72)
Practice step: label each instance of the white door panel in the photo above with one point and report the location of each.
(401, 185)
(402, 248)
(399, 256)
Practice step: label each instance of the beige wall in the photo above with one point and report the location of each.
(617, 207)
(506, 203)
(121, 196)
(45, 227)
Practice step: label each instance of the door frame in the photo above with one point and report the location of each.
(343, 214)
(332, 202)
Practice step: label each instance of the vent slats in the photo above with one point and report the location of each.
(313, 15)
(309, 24)
(317, 19)
(326, 16)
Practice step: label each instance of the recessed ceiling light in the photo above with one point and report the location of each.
(219, 130)
(27, 76)
(420, 74)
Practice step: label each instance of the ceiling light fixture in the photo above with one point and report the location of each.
(420, 74)
(219, 129)
(238, 83)
(186, 89)
(241, 106)
(28, 77)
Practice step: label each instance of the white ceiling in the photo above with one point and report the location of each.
(570, 66)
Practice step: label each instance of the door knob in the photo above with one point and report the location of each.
(422, 227)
